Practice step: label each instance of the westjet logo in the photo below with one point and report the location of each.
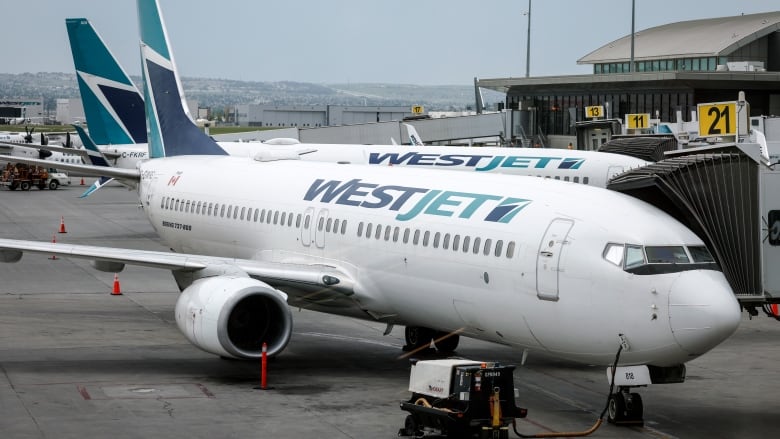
(410, 202)
(478, 162)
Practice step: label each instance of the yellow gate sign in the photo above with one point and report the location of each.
(417, 109)
(594, 111)
(638, 120)
(717, 119)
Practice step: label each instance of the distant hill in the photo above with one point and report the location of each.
(219, 93)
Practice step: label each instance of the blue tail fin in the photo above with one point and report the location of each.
(96, 158)
(171, 130)
(112, 104)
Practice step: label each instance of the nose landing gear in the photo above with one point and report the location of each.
(625, 408)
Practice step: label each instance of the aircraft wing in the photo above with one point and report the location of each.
(127, 175)
(65, 150)
(325, 281)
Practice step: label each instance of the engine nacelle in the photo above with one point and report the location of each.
(233, 316)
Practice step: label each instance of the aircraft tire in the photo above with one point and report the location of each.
(446, 342)
(418, 336)
(616, 409)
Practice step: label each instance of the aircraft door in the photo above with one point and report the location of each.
(319, 228)
(306, 226)
(549, 257)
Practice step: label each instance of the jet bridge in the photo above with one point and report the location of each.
(728, 196)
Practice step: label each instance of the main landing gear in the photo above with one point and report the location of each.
(419, 337)
(625, 408)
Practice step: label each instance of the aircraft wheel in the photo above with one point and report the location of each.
(616, 410)
(635, 407)
(446, 341)
(418, 336)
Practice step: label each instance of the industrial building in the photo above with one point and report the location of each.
(21, 110)
(675, 67)
(312, 116)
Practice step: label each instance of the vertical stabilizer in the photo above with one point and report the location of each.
(112, 104)
(170, 128)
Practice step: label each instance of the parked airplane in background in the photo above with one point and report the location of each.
(577, 166)
(519, 261)
(21, 145)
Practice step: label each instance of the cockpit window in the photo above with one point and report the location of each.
(635, 256)
(666, 255)
(699, 253)
(614, 253)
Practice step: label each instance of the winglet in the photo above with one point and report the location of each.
(113, 105)
(171, 131)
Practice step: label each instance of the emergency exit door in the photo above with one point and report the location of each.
(548, 260)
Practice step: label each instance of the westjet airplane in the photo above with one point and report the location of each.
(112, 105)
(528, 263)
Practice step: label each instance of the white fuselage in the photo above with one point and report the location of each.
(527, 270)
(587, 167)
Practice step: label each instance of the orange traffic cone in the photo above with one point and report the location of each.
(53, 241)
(62, 225)
(116, 291)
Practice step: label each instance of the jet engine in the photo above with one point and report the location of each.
(233, 316)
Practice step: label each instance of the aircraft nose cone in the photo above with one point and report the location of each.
(703, 310)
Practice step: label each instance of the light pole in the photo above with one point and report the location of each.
(528, 43)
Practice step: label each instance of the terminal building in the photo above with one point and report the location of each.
(21, 110)
(675, 67)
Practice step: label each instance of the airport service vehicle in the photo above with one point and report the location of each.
(24, 177)
(461, 398)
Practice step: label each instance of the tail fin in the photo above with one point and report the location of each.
(112, 104)
(96, 158)
(414, 138)
(171, 131)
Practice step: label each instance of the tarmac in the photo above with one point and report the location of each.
(77, 361)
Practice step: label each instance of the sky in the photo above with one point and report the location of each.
(425, 42)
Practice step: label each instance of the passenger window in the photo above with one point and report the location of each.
(426, 238)
(387, 233)
(243, 210)
(197, 208)
(613, 253)
(576, 179)
(289, 219)
(369, 227)
(328, 223)
(222, 211)
(466, 240)
(210, 207)
(306, 221)
(416, 237)
(406, 235)
(276, 218)
(456, 243)
(257, 212)
(344, 227)
(177, 205)
(229, 210)
(360, 229)
(396, 231)
(378, 232)
(436, 239)
(298, 220)
(446, 244)
(320, 223)
(499, 247)
(585, 180)
(486, 249)
(510, 250)
(634, 256)
(476, 247)
(335, 226)
(283, 218)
